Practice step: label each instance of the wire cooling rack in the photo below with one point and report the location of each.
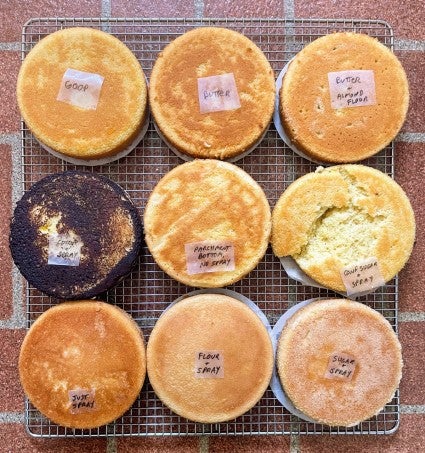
(148, 291)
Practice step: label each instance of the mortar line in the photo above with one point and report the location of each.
(289, 9)
(111, 445)
(199, 8)
(411, 137)
(204, 444)
(12, 417)
(18, 318)
(106, 9)
(412, 409)
(294, 443)
(411, 316)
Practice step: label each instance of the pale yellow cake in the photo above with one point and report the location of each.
(339, 216)
(349, 134)
(209, 358)
(71, 130)
(339, 361)
(216, 206)
(205, 52)
(82, 364)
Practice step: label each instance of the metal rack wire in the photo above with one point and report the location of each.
(147, 291)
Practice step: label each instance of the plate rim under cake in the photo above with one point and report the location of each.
(308, 355)
(198, 54)
(180, 332)
(69, 131)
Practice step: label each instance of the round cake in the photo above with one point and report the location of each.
(207, 223)
(82, 364)
(339, 216)
(339, 361)
(94, 118)
(75, 234)
(343, 98)
(212, 93)
(209, 358)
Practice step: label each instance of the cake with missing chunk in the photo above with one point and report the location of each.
(339, 216)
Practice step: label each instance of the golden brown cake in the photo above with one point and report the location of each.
(342, 215)
(207, 223)
(71, 130)
(349, 133)
(210, 358)
(339, 361)
(174, 94)
(82, 364)
(75, 234)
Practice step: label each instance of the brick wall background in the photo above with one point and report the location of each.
(407, 20)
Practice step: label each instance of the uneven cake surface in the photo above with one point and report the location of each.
(70, 129)
(339, 361)
(351, 133)
(174, 94)
(82, 364)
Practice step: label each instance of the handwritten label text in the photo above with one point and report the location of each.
(352, 88)
(362, 277)
(82, 400)
(64, 250)
(81, 89)
(209, 256)
(340, 366)
(218, 93)
(209, 364)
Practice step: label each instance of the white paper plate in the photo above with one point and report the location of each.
(278, 123)
(275, 384)
(188, 158)
(296, 273)
(105, 160)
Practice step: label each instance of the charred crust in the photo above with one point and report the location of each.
(85, 203)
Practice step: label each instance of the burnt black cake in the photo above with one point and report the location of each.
(75, 235)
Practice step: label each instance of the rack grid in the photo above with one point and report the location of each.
(147, 291)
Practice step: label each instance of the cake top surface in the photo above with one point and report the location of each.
(175, 97)
(340, 215)
(209, 331)
(213, 205)
(70, 129)
(75, 234)
(350, 132)
(83, 348)
(339, 361)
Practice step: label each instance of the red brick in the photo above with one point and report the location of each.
(247, 444)
(11, 393)
(5, 214)
(243, 8)
(408, 438)
(14, 13)
(409, 171)
(412, 338)
(406, 18)
(414, 65)
(9, 67)
(159, 444)
(148, 8)
(14, 439)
